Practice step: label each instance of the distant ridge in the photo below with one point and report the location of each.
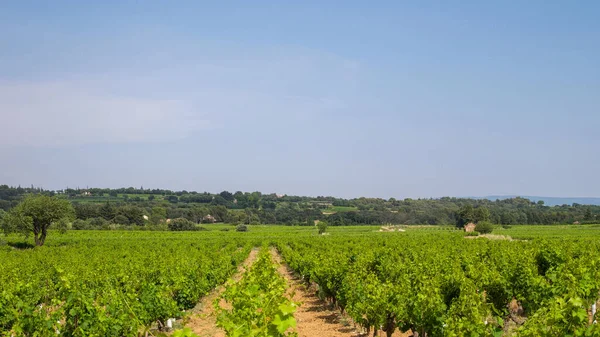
(549, 201)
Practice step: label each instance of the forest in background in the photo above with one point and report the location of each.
(99, 208)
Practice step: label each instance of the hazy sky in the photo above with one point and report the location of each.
(345, 98)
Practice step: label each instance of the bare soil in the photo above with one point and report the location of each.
(314, 317)
(493, 237)
(204, 322)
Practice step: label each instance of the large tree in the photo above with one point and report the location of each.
(158, 215)
(35, 214)
(468, 214)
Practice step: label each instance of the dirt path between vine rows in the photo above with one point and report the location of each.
(314, 316)
(204, 322)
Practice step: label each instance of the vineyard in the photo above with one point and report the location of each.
(110, 285)
(542, 281)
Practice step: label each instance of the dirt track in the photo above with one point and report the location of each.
(204, 322)
(314, 317)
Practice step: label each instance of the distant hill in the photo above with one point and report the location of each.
(549, 201)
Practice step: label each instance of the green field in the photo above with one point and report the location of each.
(426, 279)
(576, 232)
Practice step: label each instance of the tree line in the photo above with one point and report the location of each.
(99, 208)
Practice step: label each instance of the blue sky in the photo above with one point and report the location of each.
(386, 99)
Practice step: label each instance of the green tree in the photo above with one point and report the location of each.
(468, 214)
(35, 214)
(465, 215)
(269, 205)
(588, 215)
(253, 200)
(227, 195)
(107, 211)
(219, 200)
(97, 223)
(322, 226)
(219, 212)
(86, 211)
(133, 213)
(120, 220)
(158, 214)
(481, 214)
(79, 224)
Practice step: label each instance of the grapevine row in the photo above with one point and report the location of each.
(109, 287)
(449, 286)
(258, 305)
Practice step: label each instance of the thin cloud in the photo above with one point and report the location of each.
(154, 99)
(63, 113)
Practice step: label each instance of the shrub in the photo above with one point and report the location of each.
(472, 234)
(79, 224)
(121, 220)
(322, 226)
(241, 228)
(181, 224)
(484, 227)
(97, 222)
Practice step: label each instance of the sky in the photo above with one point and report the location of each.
(344, 98)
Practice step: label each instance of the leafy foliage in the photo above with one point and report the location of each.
(255, 207)
(322, 226)
(444, 285)
(187, 332)
(259, 305)
(484, 227)
(117, 286)
(181, 224)
(425, 280)
(35, 214)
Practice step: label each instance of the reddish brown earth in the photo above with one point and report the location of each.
(314, 317)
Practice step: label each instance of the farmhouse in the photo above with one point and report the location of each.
(470, 227)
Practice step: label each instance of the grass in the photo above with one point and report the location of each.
(527, 232)
(336, 209)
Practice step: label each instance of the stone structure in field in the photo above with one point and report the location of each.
(209, 219)
(470, 227)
